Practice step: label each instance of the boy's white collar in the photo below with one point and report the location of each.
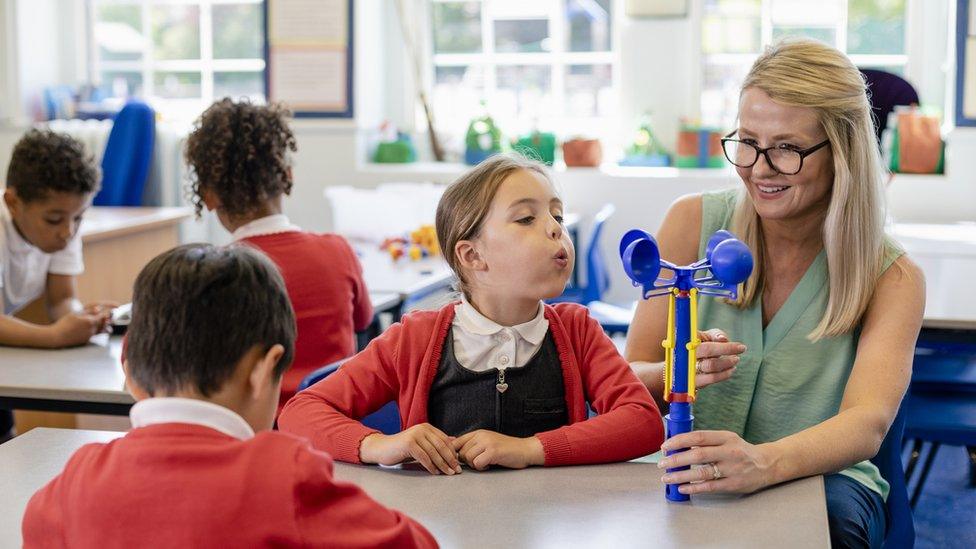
(152, 411)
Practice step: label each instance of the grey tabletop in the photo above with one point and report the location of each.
(619, 505)
(91, 373)
(28, 462)
(404, 277)
(384, 301)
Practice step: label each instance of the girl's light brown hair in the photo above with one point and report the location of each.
(464, 205)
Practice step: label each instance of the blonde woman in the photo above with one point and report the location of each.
(830, 315)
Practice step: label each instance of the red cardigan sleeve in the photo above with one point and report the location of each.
(327, 413)
(339, 514)
(628, 424)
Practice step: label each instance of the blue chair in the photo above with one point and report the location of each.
(128, 155)
(597, 275)
(613, 318)
(385, 420)
(941, 417)
(901, 525)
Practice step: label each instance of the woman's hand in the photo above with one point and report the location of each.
(740, 467)
(717, 357)
(482, 448)
(425, 443)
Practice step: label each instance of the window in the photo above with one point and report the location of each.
(872, 32)
(182, 55)
(546, 64)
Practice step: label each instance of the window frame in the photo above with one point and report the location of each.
(149, 66)
(904, 60)
(558, 59)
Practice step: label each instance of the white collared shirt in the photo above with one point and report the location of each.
(271, 224)
(481, 344)
(152, 411)
(24, 267)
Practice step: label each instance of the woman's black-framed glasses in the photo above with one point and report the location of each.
(785, 159)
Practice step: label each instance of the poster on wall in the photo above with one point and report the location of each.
(965, 63)
(309, 54)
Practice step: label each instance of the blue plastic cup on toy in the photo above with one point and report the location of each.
(731, 262)
(642, 261)
(717, 238)
(631, 236)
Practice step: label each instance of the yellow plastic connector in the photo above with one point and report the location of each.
(693, 342)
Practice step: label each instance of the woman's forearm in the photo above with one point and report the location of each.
(852, 436)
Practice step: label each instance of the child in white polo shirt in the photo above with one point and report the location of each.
(50, 183)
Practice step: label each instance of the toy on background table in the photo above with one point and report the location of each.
(417, 245)
(395, 147)
(727, 263)
(646, 150)
(538, 145)
(482, 140)
(579, 152)
(699, 147)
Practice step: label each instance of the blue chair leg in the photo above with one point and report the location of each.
(972, 465)
(923, 475)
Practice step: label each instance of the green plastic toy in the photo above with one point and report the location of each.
(538, 145)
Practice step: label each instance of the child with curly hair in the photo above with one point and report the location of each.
(238, 155)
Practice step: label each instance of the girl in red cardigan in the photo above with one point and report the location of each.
(500, 378)
(238, 155)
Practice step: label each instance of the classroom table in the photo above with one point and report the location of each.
(117, 243)
(85, 379)
(618, 505)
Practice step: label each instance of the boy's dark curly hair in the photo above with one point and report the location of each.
(44, 161)
(238, 150)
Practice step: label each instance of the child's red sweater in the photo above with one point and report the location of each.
(187, 485)
(401, 364)
(325, 285)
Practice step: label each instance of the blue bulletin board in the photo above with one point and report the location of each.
(965, 64)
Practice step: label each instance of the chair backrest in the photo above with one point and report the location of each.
(385, 420)
(597, 274)
(128, 155)
(901, 526)
(886, 91)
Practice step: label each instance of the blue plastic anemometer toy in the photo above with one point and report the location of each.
(727, 263)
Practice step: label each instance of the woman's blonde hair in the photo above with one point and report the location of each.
(807, 73)
(466, 202)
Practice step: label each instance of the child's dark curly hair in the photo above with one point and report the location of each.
(238, 150)
(44, 161)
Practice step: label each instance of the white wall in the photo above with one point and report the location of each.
(659, 72)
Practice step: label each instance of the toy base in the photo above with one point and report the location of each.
(473, 157)
(671, 492)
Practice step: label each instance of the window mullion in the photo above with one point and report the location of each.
(842, 28)
(148, 55)
(488, 50)
(557, 77)
(206, 52)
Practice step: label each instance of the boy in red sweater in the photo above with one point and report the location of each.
(237, 153)
(500, 378)
(192, 472)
